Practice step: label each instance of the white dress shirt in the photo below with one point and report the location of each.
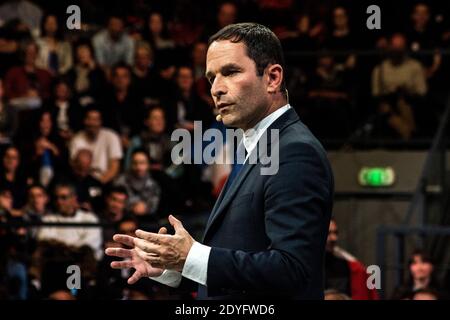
(196, 265)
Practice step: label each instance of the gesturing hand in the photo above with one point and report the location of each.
(132, 258)
(164, 250)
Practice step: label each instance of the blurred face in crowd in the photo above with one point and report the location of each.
(128, 227)
(84, 54)
(62, 91)
(62, 295)
(115, 27)
(66, 201)
(240, 95)
(121, 79)
(156, 121)
(51, 25)
(45, 124)
(326, 62)
(155, 23)
(143, 58)
(37, 199)
(185, 79)
(421, 15)
(303, 24)
(332, 236)
(227, 14)
(93, 123)
(2, 90)
(199, 54)
(11, 160)
(116, 202)
(340, 18)
(420, 269)
(31, 52)
(397, 48)
(6, 200)
(82, 162)
(139, 164)
(424, 296)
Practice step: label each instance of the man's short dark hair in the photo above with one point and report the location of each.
(65, 185)
(117, 189)
(38, 186)
(263, 46)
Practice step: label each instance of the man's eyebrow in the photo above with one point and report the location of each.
(225, 67)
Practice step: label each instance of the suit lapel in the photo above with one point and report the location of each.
(225, 198)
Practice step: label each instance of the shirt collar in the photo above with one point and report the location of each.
(251, 136)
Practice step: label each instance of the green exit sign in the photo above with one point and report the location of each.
(376, 177)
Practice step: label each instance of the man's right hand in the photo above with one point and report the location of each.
(132, 259)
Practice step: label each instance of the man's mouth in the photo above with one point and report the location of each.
(223, 106)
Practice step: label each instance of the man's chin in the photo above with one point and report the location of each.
(230, 121)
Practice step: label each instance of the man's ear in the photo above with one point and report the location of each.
(274, 78)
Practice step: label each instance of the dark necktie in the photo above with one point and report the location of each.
(236, 166)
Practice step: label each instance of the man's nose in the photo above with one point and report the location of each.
(218, 88)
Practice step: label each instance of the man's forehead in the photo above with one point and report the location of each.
(225, 50)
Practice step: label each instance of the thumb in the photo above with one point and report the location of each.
(162, 230)
(176, 224)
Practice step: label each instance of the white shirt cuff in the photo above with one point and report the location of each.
(170, 278)
(196, 265)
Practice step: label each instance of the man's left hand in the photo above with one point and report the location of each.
(164, 250)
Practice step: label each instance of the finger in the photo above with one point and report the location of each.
(146, 246)
(176, 224)
(162, 230)
(124, 239)
(134, 277)
(118, 252)
(151, 237)
(121, 264)
(155, 261)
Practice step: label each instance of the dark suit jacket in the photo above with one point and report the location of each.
(268, 232)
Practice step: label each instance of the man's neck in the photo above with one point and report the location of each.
(276, 104)
(69, 215)
(92, 136)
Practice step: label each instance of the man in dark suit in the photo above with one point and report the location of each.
(267, 232)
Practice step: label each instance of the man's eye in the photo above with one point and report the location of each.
(229, 72)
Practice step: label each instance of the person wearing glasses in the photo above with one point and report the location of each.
(67, 211)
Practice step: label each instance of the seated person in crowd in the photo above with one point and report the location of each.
(421, 276)
(12, 178)
(114, 211)
(144, 73)
(27, 80)
(330, 93)
(8, 119)
(86, 78)
(112, 45)
(89, 190)
(102, 142)
(189, 106)
(65, 111)
(55, 54)
(398, 83)
(144, 193)
(48, 153)
(67, 211)
(153, 140)
(37, 201)
(122, 108)
(343, 272)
